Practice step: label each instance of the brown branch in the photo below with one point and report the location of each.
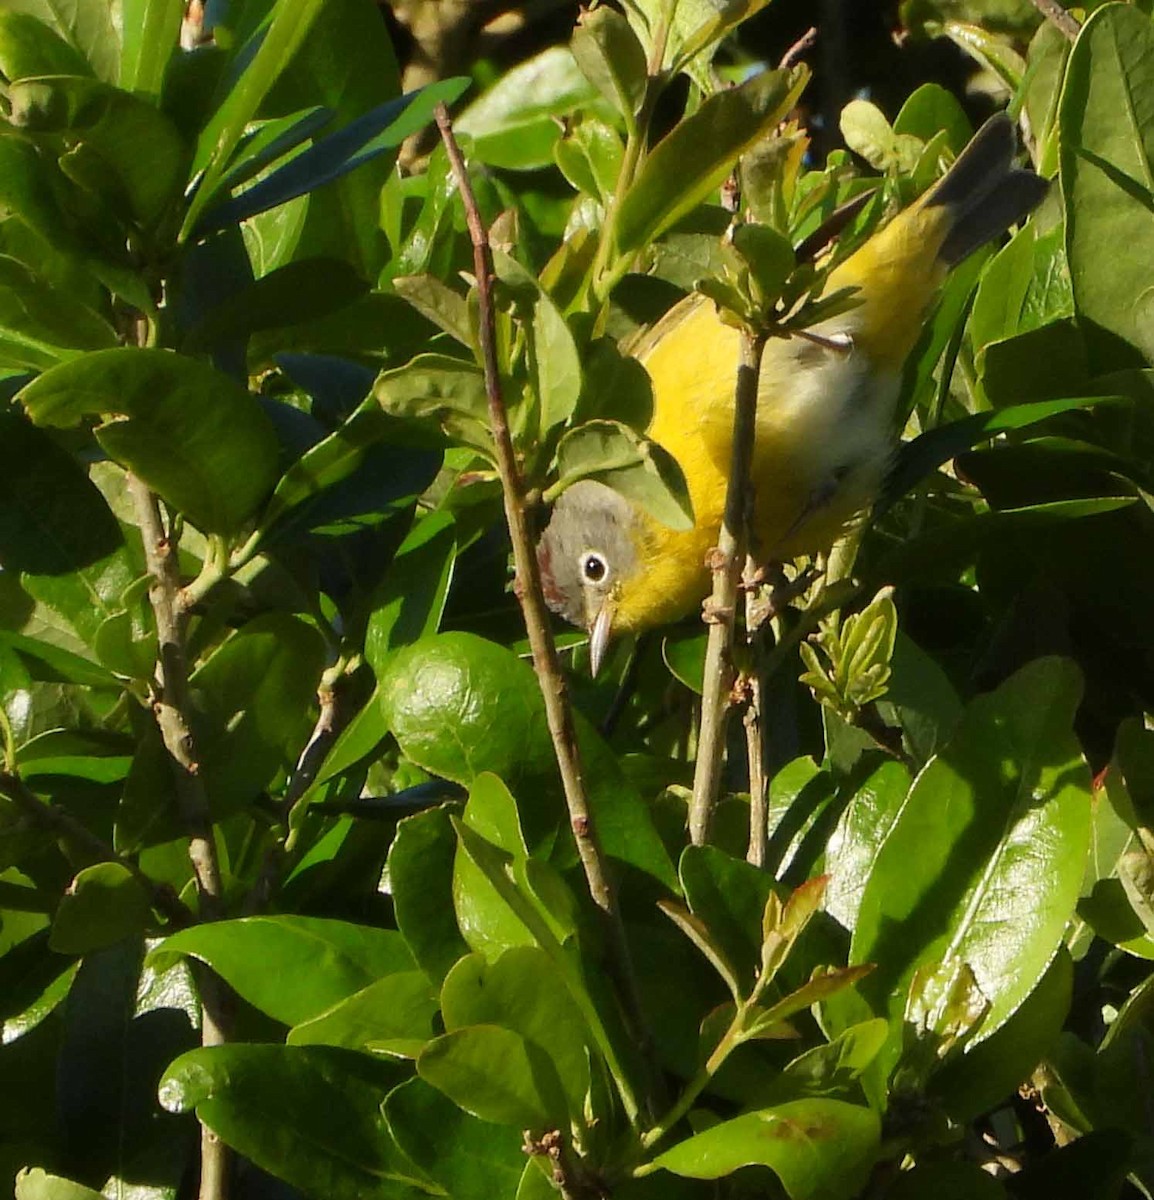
(170, 704)
(328, 726)
(1059, 17)
(721, 608)
(802, 46)
(171, 708)
(546, 663)
(66, 827)
(756, 612)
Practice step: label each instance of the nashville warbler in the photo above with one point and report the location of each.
(826, 411)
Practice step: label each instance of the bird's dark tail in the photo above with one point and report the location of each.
(986, 191)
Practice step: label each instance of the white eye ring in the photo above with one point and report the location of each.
(594, 568)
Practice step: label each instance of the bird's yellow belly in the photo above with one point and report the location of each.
(821, 448)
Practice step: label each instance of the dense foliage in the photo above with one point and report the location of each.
(283, 846)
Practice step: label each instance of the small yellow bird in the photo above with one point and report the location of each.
(825, 423)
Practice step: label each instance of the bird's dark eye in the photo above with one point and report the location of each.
(594, 568)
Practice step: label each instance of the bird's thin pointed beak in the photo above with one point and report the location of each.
(599, 633)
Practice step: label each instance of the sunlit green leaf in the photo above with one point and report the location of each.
(293, 968)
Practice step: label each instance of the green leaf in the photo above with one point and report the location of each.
(1107, 172)
(609, 55)
(868, 133)
(729, 896)
(332, 171)
(702, 937)
(28, 191)
(699, 38)
(61, 663)
(520, 991)
(495, 1074)
(988, 49)
(493, 913)
(273, 48)
(309, 1115)
(255, 693)
(120, 148)
(293, 968)
(197, 438)
(501, 896)
(975, 1082)
(815, 1147)
(446, 389)
(34, 1183)
(860, 833)
(150, 30)
(1025, 287)
(122, 1027)
(929, 450)
(436, 301)
(460, 706)
(631, 464)
(515, 123)
(269, 140)
(41, 325)
(86, 26)
(104, 903)
(300, 291)
(798, 795)
(470, 1159)
(832, 1067)
(693, 160)
(1039, 364)
(334, 459)
(1048, 57)
(86, 755)
(1109, 915)
(555, 365)
(492, 812)
(359, 738)
(920, 700)
(127, 641)
(57, 530)
(252, 716)
(929, 110)
(1006, 803)
(30, 47)
(347, 64)
(821, 986)
(393, 1015)
(420, 867)
(769, 258)
(506, 876)
(683, 652)
(409, 604)
(35, 982)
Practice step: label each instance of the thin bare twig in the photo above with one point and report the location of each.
(66, 827)
(728, 560)
(546, 663)
(171, 708)
(545, 659)
(1058, 17)
(325, 732)
(802, 46)
(755, 615)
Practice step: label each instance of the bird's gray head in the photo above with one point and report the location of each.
(585, 553)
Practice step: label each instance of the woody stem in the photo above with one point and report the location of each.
(546, 662)
(727, 563)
